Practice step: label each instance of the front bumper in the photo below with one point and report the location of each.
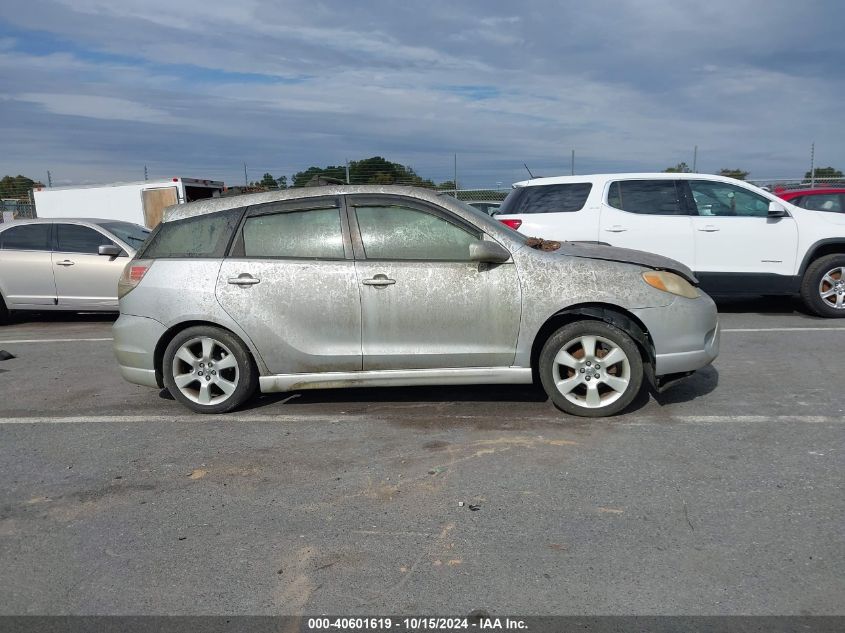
(135, 340)
(685, 334)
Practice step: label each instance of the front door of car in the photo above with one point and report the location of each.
(735, 238)
(648, 215)
(290, 284)
(84, 278)
(424, 304)
(26, 269)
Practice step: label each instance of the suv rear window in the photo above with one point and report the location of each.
(562, 198)
(200, 236)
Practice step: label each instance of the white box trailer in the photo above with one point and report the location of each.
(139, 202)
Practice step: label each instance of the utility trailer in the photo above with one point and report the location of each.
(139, 202)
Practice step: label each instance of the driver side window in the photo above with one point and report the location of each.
(397, 232)
(719, 198)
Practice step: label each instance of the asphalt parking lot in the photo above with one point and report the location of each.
(720, 496)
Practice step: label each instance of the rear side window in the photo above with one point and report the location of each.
(29, 237)
(313, 234)
(651, 197)
(821, 202)
(73, 238)
(200, 236)
(561, 198)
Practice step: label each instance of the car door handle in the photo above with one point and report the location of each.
(378, 280)
(65, 262)
(709, 228)
(244, 279)
(616, 228)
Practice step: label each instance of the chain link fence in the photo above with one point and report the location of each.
(778, 185)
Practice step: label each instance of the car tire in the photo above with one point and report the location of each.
(4, 312)
(825, 276)
(568, 369)
(209, 370)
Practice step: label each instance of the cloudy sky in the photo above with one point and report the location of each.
(95, 89)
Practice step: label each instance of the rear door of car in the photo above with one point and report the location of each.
(424, 304)
(290, 283)
(738, 248)
(84, 278)
(563, 211)
(26, 269)
(647, 215)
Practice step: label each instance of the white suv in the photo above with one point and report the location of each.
(738, 238)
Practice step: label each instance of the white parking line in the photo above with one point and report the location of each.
(52, 340)
(356, 417)
(786, 329)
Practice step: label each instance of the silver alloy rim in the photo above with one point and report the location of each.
(832, 288)
(205, 371)
(591, 371)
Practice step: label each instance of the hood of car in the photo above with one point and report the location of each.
(627, 256)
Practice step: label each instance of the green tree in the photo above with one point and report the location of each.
(368, 171)
(824, 172)
(739, 174)
(282, 182)
(680, 168)
(268, 182)
(16, 186)
(447, 185)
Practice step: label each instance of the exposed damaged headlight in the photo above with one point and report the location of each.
(672, 283)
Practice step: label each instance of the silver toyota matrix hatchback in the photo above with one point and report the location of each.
(356, 286)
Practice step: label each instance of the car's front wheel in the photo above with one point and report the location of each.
(591, 369)
(209, 370)
(823, 286)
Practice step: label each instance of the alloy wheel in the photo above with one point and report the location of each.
(832, 288)
(591, 371)
(205, 371)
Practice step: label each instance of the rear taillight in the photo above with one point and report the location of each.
(514, 224)
(132, 275)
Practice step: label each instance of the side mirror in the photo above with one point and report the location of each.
(109, 250)
(777, 210)
(491, 252)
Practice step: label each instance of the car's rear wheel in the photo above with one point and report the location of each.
(209, 370)
(591, 369)
(823, 287)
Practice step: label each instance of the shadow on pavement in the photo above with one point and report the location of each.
(34, 318)
(761, 305)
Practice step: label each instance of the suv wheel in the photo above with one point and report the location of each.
(209, 370)
(823, 287)
(591, 369)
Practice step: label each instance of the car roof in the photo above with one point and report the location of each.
(70, 220)
(595, 178)
(213, 205)
(794, 193)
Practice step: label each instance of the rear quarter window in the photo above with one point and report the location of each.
(562, 198)
(200, 236)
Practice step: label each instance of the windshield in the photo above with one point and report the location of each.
(131, 234)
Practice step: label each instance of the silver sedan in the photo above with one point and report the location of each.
(354, 286)
(64, 264)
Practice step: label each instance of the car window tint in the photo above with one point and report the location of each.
(822, 202)
(302, 234)
(199, 236)
(73, 238)
(394, 232)
(714, 198)
(561, 198)
(29, 237)
(652, 197)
